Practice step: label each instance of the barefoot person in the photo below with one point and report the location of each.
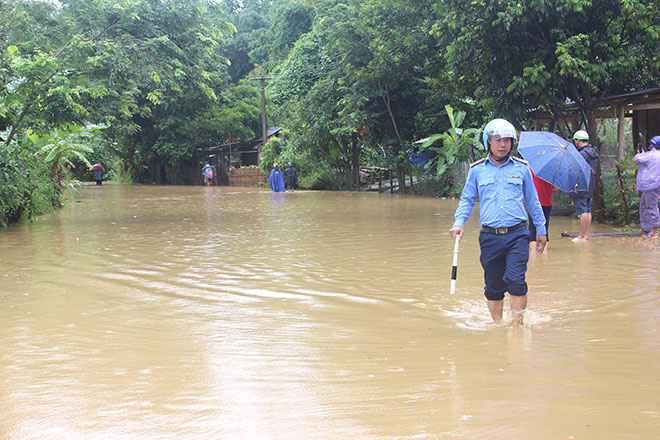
(583, 203)
(503, 185)
(648, 182)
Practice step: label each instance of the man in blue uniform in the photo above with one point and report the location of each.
(503, 185)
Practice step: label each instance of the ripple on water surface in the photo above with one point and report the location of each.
(186, 312)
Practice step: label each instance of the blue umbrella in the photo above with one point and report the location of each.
(556, 161)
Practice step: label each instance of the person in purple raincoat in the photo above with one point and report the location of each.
(648, 182)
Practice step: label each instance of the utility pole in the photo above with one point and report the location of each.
(263, 80)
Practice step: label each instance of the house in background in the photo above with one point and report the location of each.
(244, 154)
(249, 152)
(642, 106)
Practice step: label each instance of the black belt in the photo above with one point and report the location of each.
(489, 230)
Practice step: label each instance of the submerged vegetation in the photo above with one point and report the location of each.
(378, 84)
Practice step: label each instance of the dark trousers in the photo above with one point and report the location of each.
(532, 227)
(504, 259)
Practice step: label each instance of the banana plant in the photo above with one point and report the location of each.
(59, 147)
(457, 143)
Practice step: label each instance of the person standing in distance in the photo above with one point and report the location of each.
(207, 173)
(276, 179)
(98, 176)
(583, 203)
(290, 177)
(503, 185)
(648, 182)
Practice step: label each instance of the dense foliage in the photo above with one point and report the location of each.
(355, 83)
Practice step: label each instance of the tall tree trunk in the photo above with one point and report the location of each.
(380, 176)
(388, 106)
(620, 132)
(356, 162)
(347, 162)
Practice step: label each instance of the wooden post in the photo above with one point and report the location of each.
(380, 175)
(263, 114)
(356, 161)
(624, 199)
(620, 139)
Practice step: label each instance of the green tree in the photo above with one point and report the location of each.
(455, 145)
(251, 21)
(60, 148)
(146, 67)
(360, 66)
(513, 57)
(306, 91)
(288, 20)
(238, 111)
(149, 69)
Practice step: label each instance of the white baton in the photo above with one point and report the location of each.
(454, 267)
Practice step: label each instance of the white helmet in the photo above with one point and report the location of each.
(499, 128)
(581, 135)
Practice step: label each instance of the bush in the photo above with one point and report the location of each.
(25, 187)
(429, 184)
(271, 152)
(323, 177)
(616, 186)
(13, 184)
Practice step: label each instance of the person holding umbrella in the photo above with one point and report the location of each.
(583, 201)
(503, 185)
(98, 173)
(556, 161)
(648, 182)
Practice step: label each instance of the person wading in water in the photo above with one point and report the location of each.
(503, 185)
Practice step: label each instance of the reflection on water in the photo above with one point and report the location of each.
(208, 312)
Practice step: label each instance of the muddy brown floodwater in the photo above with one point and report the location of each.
(235, 313)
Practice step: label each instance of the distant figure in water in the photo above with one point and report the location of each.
(291, 177)
(98, 176)
(207, 172)
(648, 182)
(276, 179)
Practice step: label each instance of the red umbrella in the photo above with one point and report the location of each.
(97, 166)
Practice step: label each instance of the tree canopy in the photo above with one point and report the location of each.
(515, 57)
(355, 83)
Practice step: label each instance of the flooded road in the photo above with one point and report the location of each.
(235, 313)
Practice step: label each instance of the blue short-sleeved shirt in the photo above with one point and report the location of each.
(502, 193)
